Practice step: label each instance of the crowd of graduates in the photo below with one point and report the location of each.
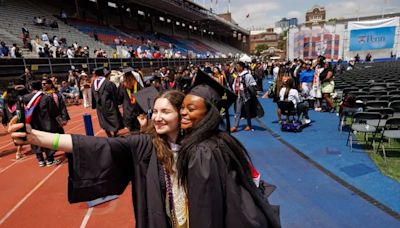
(178, 140)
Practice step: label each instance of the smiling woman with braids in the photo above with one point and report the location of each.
(214, 166)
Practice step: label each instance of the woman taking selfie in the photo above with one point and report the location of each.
(206, 184)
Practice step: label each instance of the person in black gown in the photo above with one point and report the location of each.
(105, 101)
(213, 171)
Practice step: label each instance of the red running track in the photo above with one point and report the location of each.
(31, 196)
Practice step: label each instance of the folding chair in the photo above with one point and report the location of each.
(365, 98)
(390, 131)
(384, 98)
(360, 124)
(385, 114)
(377, 104)
(394, 98)
(395, 105)
(396, 92)
(377, 93)
(287, 108)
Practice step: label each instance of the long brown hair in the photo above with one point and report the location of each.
(164, 153)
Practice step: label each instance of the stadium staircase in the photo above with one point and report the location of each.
(16, 13)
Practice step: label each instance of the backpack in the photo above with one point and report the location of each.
(292, 127)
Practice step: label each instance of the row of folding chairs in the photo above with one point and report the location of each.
(372, 97)
(374, 122)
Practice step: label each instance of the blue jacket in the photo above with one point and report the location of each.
(307, 76)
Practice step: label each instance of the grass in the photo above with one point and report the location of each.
(391, 167)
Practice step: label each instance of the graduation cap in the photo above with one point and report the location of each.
(212, 91)
(101, 71)
(127, 70)
(145, 98)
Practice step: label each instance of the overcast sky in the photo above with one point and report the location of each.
(264, 13)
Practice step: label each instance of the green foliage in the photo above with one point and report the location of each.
(261, 47)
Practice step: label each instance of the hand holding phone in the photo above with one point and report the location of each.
(21, 114)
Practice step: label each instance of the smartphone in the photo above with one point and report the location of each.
(20, 110)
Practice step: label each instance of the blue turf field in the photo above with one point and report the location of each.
(308, 196)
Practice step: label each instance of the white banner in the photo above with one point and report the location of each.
(373, 24)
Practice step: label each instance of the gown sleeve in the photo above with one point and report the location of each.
(100, 167)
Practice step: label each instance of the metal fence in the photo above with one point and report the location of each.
(11, 68)
(15, 67)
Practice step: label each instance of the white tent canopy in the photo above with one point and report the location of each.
(245, 58)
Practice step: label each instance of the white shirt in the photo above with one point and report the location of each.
(45, 37)
(70, 53)
(293, 96)
(12, 52)
(55, 43)
(275, 72)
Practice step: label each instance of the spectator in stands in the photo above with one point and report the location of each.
(55, 42)
(25, 36)
(4, 51)
(15, 51)
(70, 52)
(45, 38)
(41, 53)
(86, 51)
(63, 16)
(53, 25)
(95, 36)
(59, 53)
(47, 52)
(63, 41)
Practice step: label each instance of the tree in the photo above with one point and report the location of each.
(261, 47)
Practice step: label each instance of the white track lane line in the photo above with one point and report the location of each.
(16, 162)
(28, 195)
(90, 210)
(87, 217)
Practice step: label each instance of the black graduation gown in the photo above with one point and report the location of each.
(215, 198)
(130, 111)
(105, 101)
(44, 115)
(63, 108)
(104, 166)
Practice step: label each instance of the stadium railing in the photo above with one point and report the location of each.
(10, 68)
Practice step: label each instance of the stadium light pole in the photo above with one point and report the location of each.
(77, 9)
